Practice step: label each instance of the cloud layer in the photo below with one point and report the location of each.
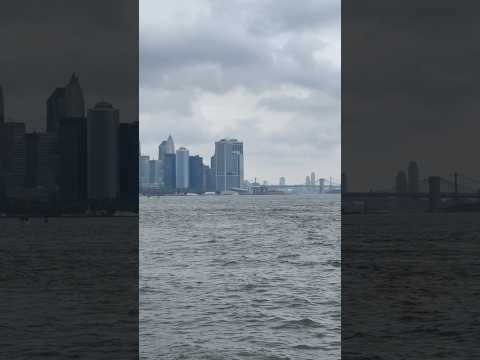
(266, 72)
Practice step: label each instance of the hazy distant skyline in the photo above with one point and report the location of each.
(264, 72)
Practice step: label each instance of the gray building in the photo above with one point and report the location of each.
(413, 178)
(12, 156)
(72, 148)
(65, 102)
(166, 147)
(102, 152)
(182, 169)
(196, 174)
(229, 168)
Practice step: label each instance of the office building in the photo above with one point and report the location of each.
(196, 174)
(313, 180)
(65, 102)
(229, 167)
(281, 181)
(128, 152)
(166, 147)
(12, 156)
(72, 149)
(102, 153)
(182, 169)
(169, 172)
(41, 161)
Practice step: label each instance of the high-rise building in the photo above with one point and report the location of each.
(128, 164)
(229, 167)
(12, 155)
(307, 180)
(72, 149)
(281, 181)
(144, 169)
(169, 172)
(182, 167)
(41, 161)
(102, 152)
(401, 182)
(2, 106)
(196, 174)
(65, 102)
(313, 180)
(413, 178)
(155, 172)
(321, 183)
(166, 147)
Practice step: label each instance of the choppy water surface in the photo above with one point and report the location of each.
(240, 277)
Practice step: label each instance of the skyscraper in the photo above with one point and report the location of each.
(65, 102)
(413, 178)
(182, 169)
(128, 151)
(229, 166)
(169, 172)
(307, 180)
(102, 152)
(12, 155)
(166, 147)
(313, 180)
(72, 148)
(196, 174)
(281, 182)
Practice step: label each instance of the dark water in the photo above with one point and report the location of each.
(411, 286)
(240, 277)
(68, 288)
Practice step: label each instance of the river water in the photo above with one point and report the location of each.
(240, 277)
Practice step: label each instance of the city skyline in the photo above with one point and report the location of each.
(268, 78)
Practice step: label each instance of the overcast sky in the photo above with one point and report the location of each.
(43, 43)
(264, 72)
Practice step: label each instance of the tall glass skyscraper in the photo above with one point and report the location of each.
(229, 169)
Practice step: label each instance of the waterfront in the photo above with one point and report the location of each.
(240, 277)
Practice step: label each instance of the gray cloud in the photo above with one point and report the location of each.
(267, 72)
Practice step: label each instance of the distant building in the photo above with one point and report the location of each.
(401, 182)
(413, 178)
(166, 147)
(72, 150)
(128, 152)
(12, 156)
(196, 174)
(41, 161)
(210, 177)
(307, 180)
(155, 172)
(144, 169)
(102, 153)
(313, 180)
(65, 102)
(321, 182)
(169, 172)
(281, 181)
(182, 169)
(229, 167)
